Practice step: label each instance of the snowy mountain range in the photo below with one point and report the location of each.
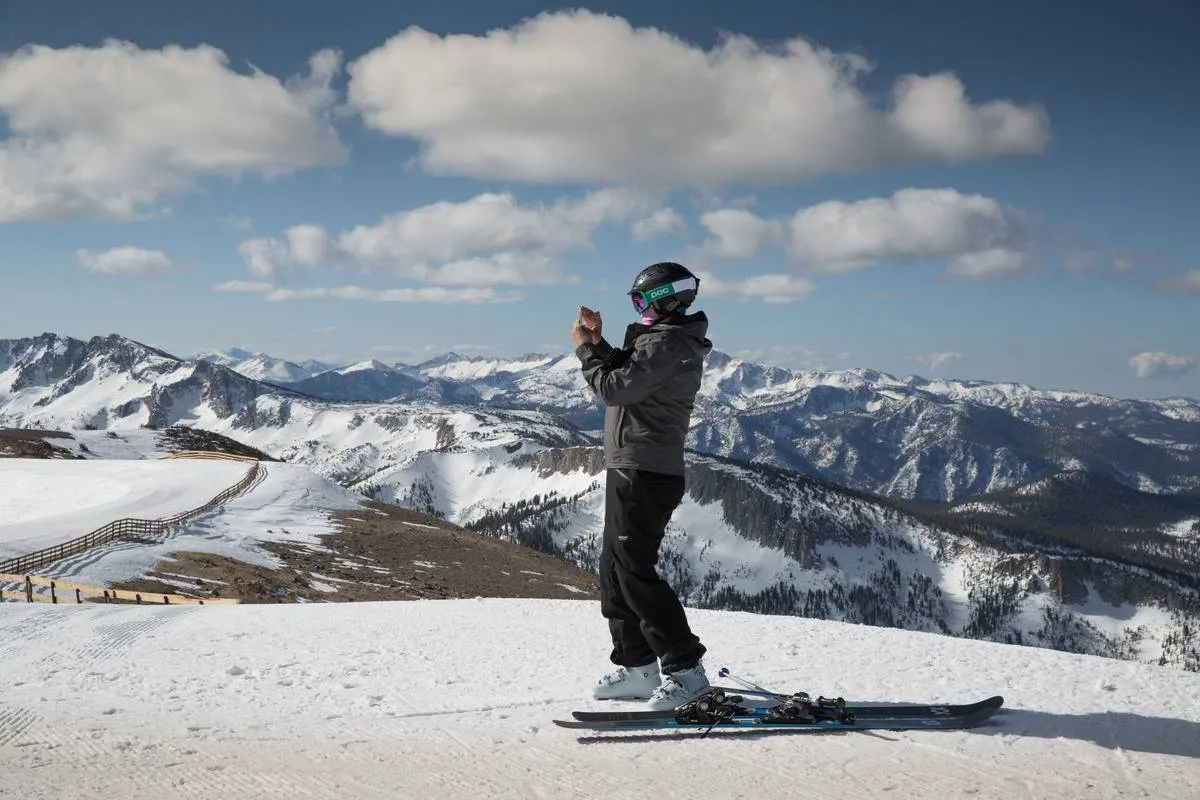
(754, 533)
(262, 367)
(909, 438)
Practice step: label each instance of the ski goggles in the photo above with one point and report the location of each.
(643, 300)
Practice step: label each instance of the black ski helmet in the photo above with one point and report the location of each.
(669, 287)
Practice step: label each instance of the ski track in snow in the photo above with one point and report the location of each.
(453, 699)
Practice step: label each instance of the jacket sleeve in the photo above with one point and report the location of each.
(652, 362)
(588, 352)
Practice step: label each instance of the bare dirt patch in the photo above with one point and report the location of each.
(379, 552)
(28, 443)
(35, 443)
(180, 437)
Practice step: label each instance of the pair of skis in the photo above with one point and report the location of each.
(726, 708)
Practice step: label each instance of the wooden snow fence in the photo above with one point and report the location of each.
(122, 529)
(75, 592)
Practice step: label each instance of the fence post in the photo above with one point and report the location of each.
(28, 590)
(53, 595)
(78, 599)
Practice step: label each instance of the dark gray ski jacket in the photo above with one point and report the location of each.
(649, 387)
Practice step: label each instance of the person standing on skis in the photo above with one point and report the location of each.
(649, 387)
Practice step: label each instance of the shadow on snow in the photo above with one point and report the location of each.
(1114, 730)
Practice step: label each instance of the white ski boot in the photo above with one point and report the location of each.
(678, 688)
(628, 683)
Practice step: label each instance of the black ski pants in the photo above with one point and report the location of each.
(644, 614)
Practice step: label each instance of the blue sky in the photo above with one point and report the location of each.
(1003, 194)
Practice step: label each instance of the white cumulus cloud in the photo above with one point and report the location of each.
(244, 286)
(661, 222)
(1158, 364)
(738, 233)
(423, 294)
(981, 236)
(935, 362)
(581, 96)
(420, 294)
(310, 245)
(486, 224)
(769, 288)
(264, 257)
(490, 239)
(994, 262)
(124, 261)
(976, 236)
(501, 269)
(112, 130)
(279, 295)
(933, 115)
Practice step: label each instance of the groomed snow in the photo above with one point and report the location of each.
(47, 502)
(453, 699)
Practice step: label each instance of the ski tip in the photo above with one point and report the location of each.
(988, 707)
(573, 723)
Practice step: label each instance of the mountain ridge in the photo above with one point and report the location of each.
(915, 438)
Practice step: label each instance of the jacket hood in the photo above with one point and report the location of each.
(693, 326)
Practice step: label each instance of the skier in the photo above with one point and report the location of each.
(649, 387)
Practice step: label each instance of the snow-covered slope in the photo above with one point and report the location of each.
(757, 538)
(129, 443)
(288, 504)
(1082, 511)
(453, 699)
(45, 502)
(466, 368)
(940, 440)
